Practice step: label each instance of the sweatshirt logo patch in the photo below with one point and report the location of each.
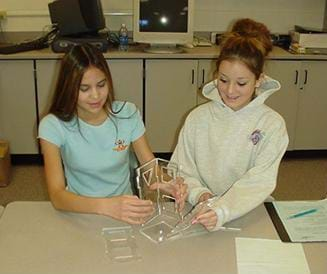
(256, 136)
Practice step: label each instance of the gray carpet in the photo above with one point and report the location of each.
(298, 179)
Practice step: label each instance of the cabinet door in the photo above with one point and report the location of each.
(127, 77)
(17, 106)
(206, 73)
(47, 74)
(170, 93)
(285, 101)
(311, 129)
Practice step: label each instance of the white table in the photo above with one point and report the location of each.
(36, 238)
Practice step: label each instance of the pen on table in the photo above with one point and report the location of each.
(303, 213)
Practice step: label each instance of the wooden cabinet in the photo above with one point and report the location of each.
(285, 100)
(311, 126)
(301, 101)
(170, 94)
(18, 106)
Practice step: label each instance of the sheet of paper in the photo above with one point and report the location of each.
(308, 227)
(263, 256)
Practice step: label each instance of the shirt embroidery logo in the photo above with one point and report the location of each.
(120, 145)
(256, 136)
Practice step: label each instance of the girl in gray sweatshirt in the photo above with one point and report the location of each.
(230, 148)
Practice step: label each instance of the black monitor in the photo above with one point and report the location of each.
(75, 17)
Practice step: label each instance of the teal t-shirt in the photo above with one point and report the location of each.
(96, 158)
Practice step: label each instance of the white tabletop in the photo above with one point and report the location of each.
(36, 238)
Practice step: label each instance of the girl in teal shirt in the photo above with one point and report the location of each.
(86, 140)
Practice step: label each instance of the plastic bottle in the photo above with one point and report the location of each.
(123, 38)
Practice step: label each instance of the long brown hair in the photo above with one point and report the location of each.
(249, 42)
(73, 66)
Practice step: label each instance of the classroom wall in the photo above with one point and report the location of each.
(210, 15)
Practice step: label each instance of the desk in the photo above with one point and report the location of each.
(36, 238)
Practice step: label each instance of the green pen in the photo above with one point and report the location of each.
(303, 213)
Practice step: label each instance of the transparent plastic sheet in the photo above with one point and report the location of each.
(120, 244)
(161, 231)
(157, 170)
(159, 226)
(157, 232)
(162, 171)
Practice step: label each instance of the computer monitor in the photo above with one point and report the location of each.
(163, 24)
(76, 17)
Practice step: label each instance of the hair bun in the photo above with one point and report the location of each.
(250, 29)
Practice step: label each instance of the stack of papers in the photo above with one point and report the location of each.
(304, 221)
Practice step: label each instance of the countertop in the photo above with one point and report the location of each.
(136, 52)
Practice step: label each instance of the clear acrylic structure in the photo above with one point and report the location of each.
(120, 244)
(157, 170)
(167, 223)
(162, 221)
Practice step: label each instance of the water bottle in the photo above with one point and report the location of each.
(123, 38)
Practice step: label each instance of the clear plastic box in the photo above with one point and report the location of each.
(120, 244)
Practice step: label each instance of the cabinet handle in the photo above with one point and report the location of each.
(192, 76)
(305, 76)
(203, 72)
(296, 77)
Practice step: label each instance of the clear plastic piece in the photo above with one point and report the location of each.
(162, 231)
(157, 170)
(120, 244)
(157, 232)
(161, 171)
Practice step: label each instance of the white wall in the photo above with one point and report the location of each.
(210, 15)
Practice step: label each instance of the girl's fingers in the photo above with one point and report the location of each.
(208, 219)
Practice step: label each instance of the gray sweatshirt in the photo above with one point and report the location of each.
(234, 153)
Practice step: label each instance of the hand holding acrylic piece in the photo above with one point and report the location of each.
(186, 221)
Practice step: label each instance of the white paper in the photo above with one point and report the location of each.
(263, 256)
(308, 228)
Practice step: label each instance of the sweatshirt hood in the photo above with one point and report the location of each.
(268, 86)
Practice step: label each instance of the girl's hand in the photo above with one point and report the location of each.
(175, 188)
(207, 217)
(127, 208)
(205, 196)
